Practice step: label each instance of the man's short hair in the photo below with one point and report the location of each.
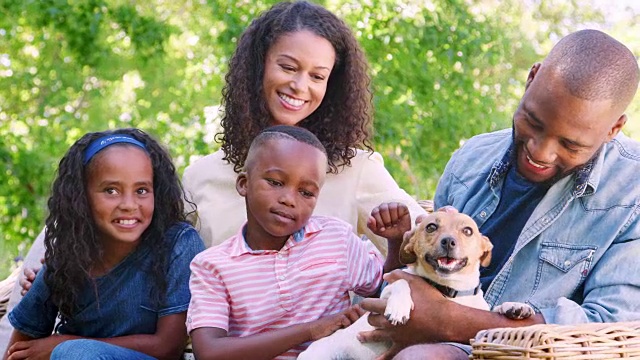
(595, 66)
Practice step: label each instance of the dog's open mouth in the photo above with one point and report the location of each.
(449, 265)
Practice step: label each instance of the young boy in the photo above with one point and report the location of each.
(284, 279)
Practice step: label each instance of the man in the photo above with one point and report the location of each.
(558, 195)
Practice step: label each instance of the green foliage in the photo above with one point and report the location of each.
(443, 70)
(430, 66)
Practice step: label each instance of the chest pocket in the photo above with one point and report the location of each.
(562, 269)
(318, 267)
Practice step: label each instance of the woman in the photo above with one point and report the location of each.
(296, 64)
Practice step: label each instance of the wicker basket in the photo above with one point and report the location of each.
(546, 341)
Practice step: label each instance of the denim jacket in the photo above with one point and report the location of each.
(577, 258)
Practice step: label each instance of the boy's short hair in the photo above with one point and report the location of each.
(288, 132)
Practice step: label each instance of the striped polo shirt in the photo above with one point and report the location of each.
(247, 292)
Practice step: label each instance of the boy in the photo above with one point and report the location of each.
(284, 279)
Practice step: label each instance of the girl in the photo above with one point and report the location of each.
(117, 257)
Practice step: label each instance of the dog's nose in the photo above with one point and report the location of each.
(448, 243)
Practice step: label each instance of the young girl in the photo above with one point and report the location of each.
(117, 257)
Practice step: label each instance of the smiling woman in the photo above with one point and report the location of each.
(296, 72)
(296, 64)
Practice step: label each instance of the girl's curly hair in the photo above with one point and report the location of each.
(71, 237)
(343, 120)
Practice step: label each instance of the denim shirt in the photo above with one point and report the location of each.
(124, 305)
(577, 258)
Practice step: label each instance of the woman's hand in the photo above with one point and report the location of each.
(29, 278)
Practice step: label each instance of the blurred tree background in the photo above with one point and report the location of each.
(443, 70)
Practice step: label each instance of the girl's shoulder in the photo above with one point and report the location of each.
(183, 235)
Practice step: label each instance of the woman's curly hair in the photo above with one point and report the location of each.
(71, 237)
(342, 122)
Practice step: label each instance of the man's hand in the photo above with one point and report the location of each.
(425, 324)
(390, 220)
(29, 278)
(330, 324)
(39, 349)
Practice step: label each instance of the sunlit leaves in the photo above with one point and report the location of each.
(430, 65)
(442, 70)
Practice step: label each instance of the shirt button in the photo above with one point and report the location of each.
(567, 263)
(281, 277)
(280, 256)
(483, 214)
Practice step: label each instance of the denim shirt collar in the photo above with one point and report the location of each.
(583, 183)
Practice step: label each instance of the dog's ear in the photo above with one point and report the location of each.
(407, 254)
(486, 246)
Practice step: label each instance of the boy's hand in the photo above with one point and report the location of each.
(390, 220)
(329, 324)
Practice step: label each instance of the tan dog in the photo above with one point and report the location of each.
(447, 250)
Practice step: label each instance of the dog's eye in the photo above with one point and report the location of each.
(467, 231)
(431, 228)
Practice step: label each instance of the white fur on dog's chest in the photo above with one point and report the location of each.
(344, 342)
(475, 301)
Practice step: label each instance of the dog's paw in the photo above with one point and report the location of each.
(399, 303)
(398, 314)
(515, 310)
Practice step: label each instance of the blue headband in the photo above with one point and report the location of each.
(100, 143)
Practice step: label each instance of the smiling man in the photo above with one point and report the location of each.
(559, 197)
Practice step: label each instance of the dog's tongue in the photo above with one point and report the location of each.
(446, 260)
